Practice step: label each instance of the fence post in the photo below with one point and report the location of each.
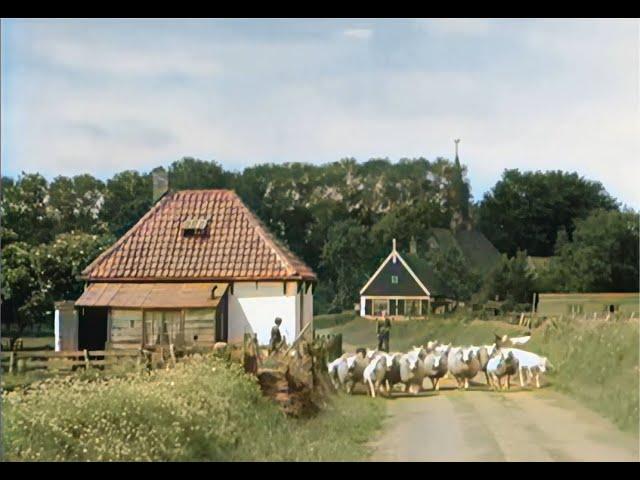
(11, 361)
(87, 363)
(172, 353)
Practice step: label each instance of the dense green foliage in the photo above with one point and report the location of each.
(454, 272)
(525, 210)
(338, 217)
(511, 280)
(204, 409)
(603, 256)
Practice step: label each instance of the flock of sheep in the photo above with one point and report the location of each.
(378, 370)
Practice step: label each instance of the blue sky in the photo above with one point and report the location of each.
(101, 96)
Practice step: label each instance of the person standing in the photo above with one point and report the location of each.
(276, 337)
(383, 334)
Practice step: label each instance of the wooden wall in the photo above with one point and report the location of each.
(180, 327)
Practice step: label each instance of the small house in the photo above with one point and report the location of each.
(199, 267)
(403, 286)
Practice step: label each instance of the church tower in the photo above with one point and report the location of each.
(460, 195)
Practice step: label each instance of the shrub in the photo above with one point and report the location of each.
(203, 409)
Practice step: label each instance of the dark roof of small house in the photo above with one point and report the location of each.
(235, 245)
(479, 251)
(473, 244)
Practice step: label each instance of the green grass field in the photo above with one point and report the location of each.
(204, 409)
(458, 329)
(596, 362)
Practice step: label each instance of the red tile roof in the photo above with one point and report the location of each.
(236, 245)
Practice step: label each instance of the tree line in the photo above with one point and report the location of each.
(340, 218)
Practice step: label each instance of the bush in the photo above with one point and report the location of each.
(204, 409)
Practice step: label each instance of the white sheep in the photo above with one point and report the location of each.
(374, 373)
(530, 363)
(412, 369)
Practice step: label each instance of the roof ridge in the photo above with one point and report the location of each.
(264, 233)
(104, 255)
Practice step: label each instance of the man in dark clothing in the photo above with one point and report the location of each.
(383, 335)
(276, 337)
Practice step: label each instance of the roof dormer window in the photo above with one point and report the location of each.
(194, 227)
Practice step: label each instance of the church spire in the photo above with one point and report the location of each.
(457, 141)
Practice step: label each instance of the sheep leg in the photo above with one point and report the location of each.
(466, 383)
(537, 380)
(437, 384)
(521, 380)
(508, 382)
(373, 390)
(388, 386)
(487, 377)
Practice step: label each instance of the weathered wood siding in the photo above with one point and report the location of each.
(126, 328)
(199, 322)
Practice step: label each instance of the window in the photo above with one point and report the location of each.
(576, 308)
(194, 227)
(412, 308)
(380, 306)
(394, 279)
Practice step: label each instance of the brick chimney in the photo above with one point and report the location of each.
(160, 183)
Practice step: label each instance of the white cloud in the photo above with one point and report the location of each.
(359, 33)
(100, 106)
(457, 26)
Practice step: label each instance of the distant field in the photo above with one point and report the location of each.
(33, 343)
(359, 332)
(560, 303)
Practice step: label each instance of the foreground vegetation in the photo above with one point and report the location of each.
(596, 362)
(204, 409)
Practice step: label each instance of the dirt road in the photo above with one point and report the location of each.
(529, 425)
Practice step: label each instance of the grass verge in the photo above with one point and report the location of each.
(204, 409)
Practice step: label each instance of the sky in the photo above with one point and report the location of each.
(102, 96)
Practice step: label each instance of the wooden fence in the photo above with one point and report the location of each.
(18, 361)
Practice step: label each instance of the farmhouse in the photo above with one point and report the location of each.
(199, 267)
(588, 303)
(403, 286)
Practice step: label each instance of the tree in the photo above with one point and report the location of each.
(33, 277)
(525, 210)
(76, 202)
(128, 196)
(511, 280)
(454, 272)
(25, 209)
(23, 302)
(198, 174)
(603, 256)
(61, 262)
(346, 261)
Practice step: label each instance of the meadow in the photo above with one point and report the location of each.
(596, 361)
(203, 409)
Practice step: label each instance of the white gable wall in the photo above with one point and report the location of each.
(254, 308)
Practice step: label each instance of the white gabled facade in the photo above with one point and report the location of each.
(254, 306)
